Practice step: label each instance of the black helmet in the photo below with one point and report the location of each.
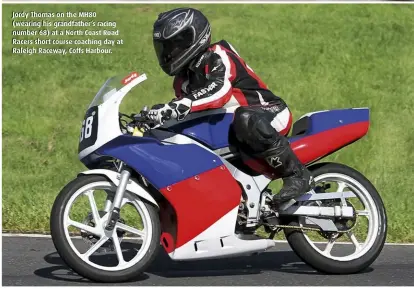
(180, 35)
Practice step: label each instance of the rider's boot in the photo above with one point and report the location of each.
(297, 180)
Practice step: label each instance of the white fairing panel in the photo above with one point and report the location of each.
(219, 240)
(108, 116)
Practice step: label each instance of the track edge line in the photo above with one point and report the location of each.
(22, 235)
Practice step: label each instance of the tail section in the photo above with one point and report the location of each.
(319, 134)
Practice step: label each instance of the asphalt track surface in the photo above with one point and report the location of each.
(34, 261)
(195, 1)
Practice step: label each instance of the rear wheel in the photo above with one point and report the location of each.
(369, 224)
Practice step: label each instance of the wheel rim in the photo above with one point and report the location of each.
(370, 211)
(98, 230)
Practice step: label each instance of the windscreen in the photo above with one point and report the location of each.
(111, 86)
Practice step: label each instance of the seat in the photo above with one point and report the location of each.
(300, 126)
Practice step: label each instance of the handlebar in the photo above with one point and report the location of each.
(139, 120)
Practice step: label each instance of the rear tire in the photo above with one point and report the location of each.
(312, 257)
(74, 261)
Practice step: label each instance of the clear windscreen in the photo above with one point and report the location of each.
(111, 86)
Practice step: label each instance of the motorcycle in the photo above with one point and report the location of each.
(193, 193)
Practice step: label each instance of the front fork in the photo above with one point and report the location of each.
(113, 207)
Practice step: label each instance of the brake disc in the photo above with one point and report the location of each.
(91, 239)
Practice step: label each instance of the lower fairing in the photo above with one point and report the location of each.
(219, 240)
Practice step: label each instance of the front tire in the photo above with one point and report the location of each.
(311, 255)
(74, 260)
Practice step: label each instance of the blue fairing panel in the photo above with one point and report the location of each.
(211, 130)
(331, 119)
(160, 164)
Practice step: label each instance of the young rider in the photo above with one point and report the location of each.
(210, 76)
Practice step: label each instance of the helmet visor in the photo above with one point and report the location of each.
(168, 50)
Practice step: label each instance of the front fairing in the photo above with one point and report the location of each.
(101, 121)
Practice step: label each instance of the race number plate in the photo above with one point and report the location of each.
(89, 130)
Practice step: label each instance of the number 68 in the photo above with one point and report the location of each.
(86, 130)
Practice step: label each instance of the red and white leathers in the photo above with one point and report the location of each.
(220, 78)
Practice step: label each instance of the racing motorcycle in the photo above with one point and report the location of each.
(183, 186)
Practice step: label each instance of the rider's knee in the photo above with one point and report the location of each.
(254, 129)
(242, 119)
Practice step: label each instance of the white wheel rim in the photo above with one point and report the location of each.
(370, 211)
(146, 234)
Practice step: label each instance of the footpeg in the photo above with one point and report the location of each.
(284, 206)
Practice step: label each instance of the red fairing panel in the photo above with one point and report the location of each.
(199, 202)
(313, 147)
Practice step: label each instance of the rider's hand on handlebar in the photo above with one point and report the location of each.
(177, 109)
(160, 113)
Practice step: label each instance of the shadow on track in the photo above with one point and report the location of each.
(163, 266)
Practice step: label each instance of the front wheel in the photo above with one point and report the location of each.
(369, 223)
(77, 223)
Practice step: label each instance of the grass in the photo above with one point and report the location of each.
(315, 56)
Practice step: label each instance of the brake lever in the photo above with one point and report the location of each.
(143, 121)
(156, 126)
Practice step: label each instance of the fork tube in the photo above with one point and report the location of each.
(121, 165)
(119, 195)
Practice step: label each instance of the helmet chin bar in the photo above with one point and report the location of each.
(191, 58)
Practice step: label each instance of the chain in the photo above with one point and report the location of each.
(305, 228)
(274, 227)
(311, 228)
